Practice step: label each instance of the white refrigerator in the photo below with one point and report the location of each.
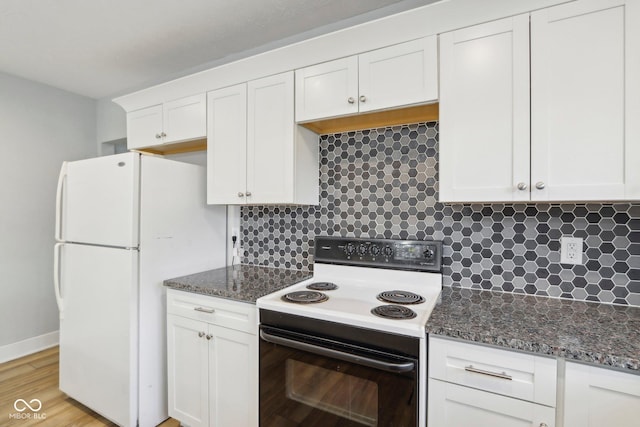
(124, 223)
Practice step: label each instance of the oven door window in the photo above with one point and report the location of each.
(303, 388)
(347, 396)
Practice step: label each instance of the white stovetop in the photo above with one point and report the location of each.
(356, 295)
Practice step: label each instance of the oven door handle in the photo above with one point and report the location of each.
(340, 355)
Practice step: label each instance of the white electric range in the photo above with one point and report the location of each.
(358, 324)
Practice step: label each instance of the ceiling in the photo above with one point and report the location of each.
(103, 48)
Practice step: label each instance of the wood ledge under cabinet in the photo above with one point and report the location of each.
(177, 147)
(377, 119)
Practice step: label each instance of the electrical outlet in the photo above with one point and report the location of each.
(234, 231)
(571, 250)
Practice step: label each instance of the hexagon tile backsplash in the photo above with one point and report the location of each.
(384, 183)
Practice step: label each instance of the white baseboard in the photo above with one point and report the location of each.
(28, 346)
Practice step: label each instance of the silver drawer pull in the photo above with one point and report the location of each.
(204, 310)
(502, 375)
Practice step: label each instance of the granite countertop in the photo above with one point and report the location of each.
(603, 334)
(244, 283)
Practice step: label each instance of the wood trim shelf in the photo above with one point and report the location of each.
(177, 148)
(401, 116)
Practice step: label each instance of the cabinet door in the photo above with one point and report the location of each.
(399, 75)
(326, 90)
(452, 405)
(600, 397)
(185, 118)
(144, 127)
(484, 112)
(233, 378)
(227, 145)
(270, 140)
(584, 73)
(188, 379)
(524, 376)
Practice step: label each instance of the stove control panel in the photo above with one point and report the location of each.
(422, 255)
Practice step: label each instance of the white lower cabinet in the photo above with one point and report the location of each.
(452, 405)
(212, 367)
(600, 397)
(473, 385)
(188, 362)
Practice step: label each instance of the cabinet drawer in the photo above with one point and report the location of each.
(451, 405)
(217, 311)
(508, 373)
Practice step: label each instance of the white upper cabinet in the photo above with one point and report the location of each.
(584, 103)
(398, 75)
(579, 142)
(328, 89)
(484, 112)
(394, 76)
(600, 397)
(144, 127)
(256, 153)
(271, 139)
(180, 120)
(227, 145)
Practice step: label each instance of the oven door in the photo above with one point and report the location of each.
(312, 381)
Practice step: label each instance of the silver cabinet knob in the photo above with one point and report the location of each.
(158, 136)
(163, 134)
(248, 193)
(200, 334)
(351, 100)
(363, 98)
(240, 194)
(540, 185)
(522, 186)
(209, 336)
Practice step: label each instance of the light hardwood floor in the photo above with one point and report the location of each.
(36, 377)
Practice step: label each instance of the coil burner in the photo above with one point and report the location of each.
(322, 286)
(400, 297)
(394, 312)
(305, 297)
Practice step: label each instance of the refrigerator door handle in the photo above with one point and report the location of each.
(56, 277)
(61, 181)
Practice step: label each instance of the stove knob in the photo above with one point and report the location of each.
(428, 253)
(375, 250)
(388, 251)
(362, 250)
(349, 249)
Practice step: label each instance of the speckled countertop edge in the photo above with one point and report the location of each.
(600, 334)
(245, 283)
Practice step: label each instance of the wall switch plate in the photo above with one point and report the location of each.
(571, 250)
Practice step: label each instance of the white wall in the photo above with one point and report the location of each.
(40, 127)
(111, 121)
(111, 127)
